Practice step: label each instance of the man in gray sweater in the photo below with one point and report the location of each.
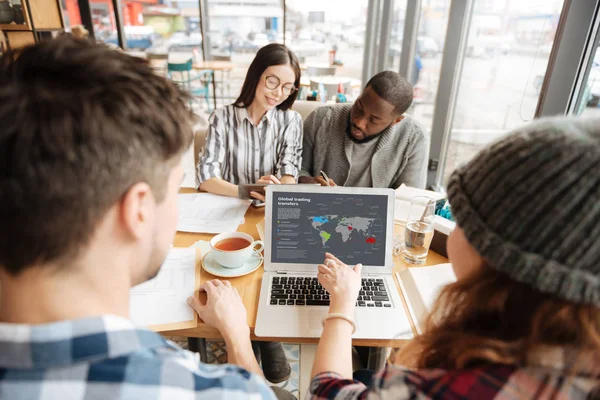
(370, 143)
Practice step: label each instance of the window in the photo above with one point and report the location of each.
(70, 9)
(235, 31)
(508, 47)
(392, 62)
(427, 61)
(159, 28)
(590, 101)
(239, 28)
(329, 39)
(103, 19)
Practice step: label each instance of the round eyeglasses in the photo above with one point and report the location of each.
(272, 83)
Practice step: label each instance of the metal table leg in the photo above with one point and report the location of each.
(198, 345)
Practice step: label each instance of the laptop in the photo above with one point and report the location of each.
(302, 223)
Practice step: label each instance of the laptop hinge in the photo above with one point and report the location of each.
(373, 274)
(281, 272)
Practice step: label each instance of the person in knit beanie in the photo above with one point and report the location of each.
(522, 320)
(530, 206)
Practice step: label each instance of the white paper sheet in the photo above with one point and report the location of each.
(408, 193)
(210, 213)
(162, 300)
(401, 210)
(431, 280)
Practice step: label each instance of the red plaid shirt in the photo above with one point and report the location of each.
(551, 374)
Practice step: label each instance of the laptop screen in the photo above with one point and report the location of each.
(350, 226)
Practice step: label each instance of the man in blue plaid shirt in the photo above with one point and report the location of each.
(90, 147)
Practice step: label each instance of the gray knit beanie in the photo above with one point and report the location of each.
(530, 205)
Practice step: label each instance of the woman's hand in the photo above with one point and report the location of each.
(223, 310)
(267, 180)
(341, 282)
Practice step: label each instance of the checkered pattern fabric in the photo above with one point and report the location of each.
(551, 374)
(109, 358)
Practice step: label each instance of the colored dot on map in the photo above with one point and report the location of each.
(371, 240)
(349, 228)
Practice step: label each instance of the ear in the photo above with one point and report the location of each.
(397, 119)
(136, 209)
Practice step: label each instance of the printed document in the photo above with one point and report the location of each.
(163, 299)
(210, 213)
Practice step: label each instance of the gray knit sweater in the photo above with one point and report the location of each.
(399, 157)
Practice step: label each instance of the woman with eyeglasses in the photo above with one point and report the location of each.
(257, 139)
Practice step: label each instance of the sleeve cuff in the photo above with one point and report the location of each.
(289, 170)
(328, 385)
(204, 176)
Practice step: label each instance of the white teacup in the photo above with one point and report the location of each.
(227, 251)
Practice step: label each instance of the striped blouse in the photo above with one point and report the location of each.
(239, 152)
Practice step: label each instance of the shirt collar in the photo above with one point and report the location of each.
(270, 114)
(242, 113)
(64, 343)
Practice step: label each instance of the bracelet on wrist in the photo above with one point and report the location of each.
(340, 316)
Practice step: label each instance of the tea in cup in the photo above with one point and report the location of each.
(233, 250)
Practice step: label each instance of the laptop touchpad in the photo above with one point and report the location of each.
(315, 320)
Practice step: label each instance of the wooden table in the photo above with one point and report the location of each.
(223, 66)
(249, 286)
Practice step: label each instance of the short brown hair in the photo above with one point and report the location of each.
(271, 54)
(80, 124)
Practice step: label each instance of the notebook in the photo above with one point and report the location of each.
(420, 287)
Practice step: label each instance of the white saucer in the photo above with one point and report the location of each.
(212, 267)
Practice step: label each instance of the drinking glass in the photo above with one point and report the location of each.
(418, 231)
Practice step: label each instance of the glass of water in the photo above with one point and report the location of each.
(419, 229)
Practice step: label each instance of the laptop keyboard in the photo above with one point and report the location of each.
(307, 291)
